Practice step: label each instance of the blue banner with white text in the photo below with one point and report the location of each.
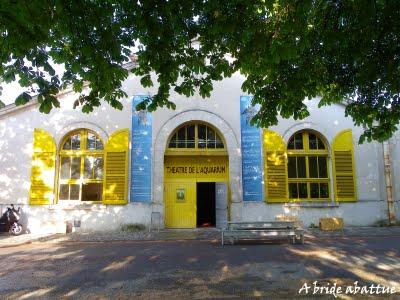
(251, 152)
(141, 153)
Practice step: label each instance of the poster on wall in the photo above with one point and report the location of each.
(141, 156)
(251, 152)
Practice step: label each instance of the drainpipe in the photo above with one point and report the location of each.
(388, 181)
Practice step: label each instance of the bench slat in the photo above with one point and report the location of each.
(259, 233)
(257, 225)
(262, 230)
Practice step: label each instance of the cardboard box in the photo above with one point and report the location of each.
(330, 224)
(289, 218)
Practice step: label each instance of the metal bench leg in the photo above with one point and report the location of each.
(222, 237)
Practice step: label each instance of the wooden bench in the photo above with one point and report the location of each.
(276, 230)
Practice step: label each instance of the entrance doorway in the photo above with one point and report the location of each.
(196, 174)
(205, 194)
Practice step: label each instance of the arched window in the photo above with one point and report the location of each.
(308, 175)
(196, 136)
(81, 166)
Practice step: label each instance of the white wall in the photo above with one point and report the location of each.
(395, 154)
(16, 135)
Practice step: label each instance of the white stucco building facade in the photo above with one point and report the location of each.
(222, 112)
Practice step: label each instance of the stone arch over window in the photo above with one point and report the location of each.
(59, 136)
(81, 166)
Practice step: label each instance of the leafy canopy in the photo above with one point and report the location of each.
(287, 50)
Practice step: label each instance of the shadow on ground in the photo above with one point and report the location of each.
(193, 269)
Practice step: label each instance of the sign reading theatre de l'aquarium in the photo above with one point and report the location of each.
(251, 152)
(141, 153)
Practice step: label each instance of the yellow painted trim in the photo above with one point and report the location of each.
(42, 179)
(120, 136)
(177, 180)
(112, 202)
(273, 143)
(273, 140)
(343, 141)
(118, 142)
(79, 153)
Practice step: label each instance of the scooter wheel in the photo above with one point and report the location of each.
(16, 229)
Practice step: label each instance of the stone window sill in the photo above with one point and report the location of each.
(78, 206)
(312, 204)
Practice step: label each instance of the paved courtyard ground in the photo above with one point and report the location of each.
(195, 268)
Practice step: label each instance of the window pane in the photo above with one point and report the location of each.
(202, 136)
(324, 190)
(313, 166)
(64, 191)
(291, 143)
(172, 143)
(92, 192)
(93, 167)
(94, 142)
(218, 142)
(74, 192)
(302, 190)
(91, 141)
(76, 142)
(323, 169)
(314, 190)
(292, 167)
(182, 138)
(190, 136)
(301, 167)
(65, 167)
(67, 144)
(75, 167)
(88, 167)
(320, 144)
(312, 141)
(298, 141)
(98, 168)
(99, 144)
(293, 190)
(210, 138)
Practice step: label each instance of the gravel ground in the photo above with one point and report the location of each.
(194, 269)
(181, 234)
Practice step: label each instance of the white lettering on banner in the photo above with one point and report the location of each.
(335, 290)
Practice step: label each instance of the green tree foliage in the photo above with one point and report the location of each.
(288, 50)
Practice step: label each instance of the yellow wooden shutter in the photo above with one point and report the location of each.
(343, 166)
(116, 168)
(275, 164)
(43, 168)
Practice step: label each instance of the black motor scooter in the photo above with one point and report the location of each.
(9, 221)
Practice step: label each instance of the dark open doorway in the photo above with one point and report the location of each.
(205, 204)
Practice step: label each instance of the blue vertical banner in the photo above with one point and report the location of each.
(251, 152)
(141, 156)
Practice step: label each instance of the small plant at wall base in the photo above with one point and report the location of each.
(312, 225)
(385, 223)
(132, 227)
(286, 50)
